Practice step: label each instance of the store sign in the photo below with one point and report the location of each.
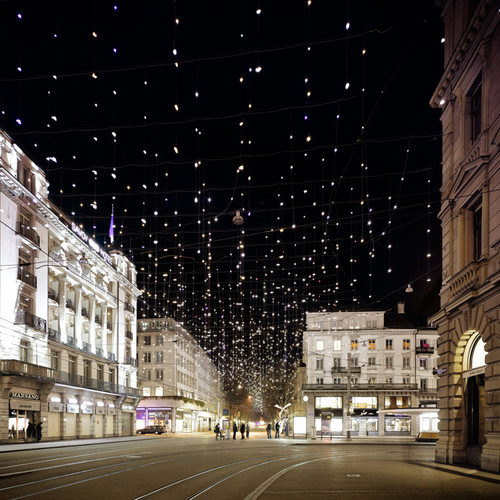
(111, 411)
(72, 408)
(100, 410)
(127, 407)
(91, 243)
(23, 404)
(21, 395)
(59, 407)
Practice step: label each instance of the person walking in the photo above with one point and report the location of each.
(39, 431)
(235, 429)
(248, 430)
(30, 431)
(277, 428)
(217, 431)
(242, 430)
(269, 431)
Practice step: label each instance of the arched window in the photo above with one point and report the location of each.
(475, 355)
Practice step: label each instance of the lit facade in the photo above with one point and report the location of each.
(469, 319)
(393, 386)
(180, 385)
(67, 317)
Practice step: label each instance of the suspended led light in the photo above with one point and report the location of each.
(238, 219)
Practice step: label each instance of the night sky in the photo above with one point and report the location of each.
(312, 120)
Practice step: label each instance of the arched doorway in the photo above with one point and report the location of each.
(474, 365)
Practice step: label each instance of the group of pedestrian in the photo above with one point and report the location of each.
(243, 429)
(269, 429)
(34, 431)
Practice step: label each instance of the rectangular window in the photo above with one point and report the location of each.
(159, 357)
(86, 368)
(354, 345)
(319, 364)
(388, 344)
(159, 374)
(388, 380)
(477, 222)
(406, 380)
(146, 391)
(368, 323)
(475, 95)
(72, 365)
(388, 363)
(336, 362)
(337, 345)
(372, 361)
(354, 361)
(147, 340)
(159, 340)
(423, 363)
(371, 344)
(423, 384)
(336, 381)
(147, 357)
(406, 344)
(112, 375)
(320, 345)
(159, 391)
(100, 372)
(371, 380)
(319, 381)
(406, 363)
(24, 351)
(54, 360)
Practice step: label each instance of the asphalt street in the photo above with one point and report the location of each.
(198, 466)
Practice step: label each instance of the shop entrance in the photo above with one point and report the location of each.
(474, 410)
(19, 421)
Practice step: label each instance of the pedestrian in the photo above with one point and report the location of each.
(277, 428)
(248, 430)
(269, 431)
(235, 429)
(39, 431)
(30, 431)
(242, 430)
(217, 431)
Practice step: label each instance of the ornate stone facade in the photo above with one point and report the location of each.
(469, 319)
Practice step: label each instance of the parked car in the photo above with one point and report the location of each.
(152, 429)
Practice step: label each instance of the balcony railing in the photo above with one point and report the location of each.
(28, 319)
(99, 352)
(129, 335)
(86, 347)
(28, 233)
(26, 277)
(360, 387)
(465, 280)
(71, 341)
(130, 308)
(54, 335)
(111, 356)
(424, 350)
(343, 369)
(130, 361)
(29, 370)
(53, 295)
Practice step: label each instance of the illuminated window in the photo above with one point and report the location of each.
(320, 345)
(406, 344)
(354, 345)
(337, 345)
(371, 344)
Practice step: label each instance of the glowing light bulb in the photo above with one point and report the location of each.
(94, 34)
(258, 11)
(347, 25)
(258, 69)
(347, 85)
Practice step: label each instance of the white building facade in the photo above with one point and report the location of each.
(67, 317)
(181, 387)
(370, 373)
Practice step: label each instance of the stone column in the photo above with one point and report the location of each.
(62, 309)
(78, 316)
(461, 239)
(104, 323)
(92, 340)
